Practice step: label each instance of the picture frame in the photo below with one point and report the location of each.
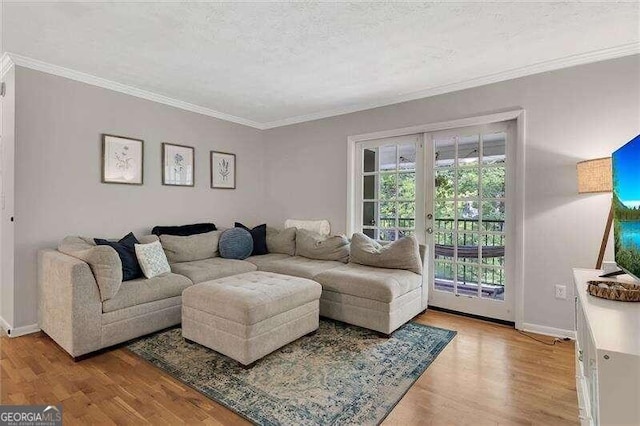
(122, 160)
(223, 170)
(178, 165)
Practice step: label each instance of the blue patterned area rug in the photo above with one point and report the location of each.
(341, 375)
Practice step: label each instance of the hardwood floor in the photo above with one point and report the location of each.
(488, 375)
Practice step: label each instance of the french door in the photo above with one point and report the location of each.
(469, 173)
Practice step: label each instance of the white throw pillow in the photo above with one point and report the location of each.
(152, 259)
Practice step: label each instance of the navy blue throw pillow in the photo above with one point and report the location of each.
(126, 250)
(235, 243)
(259, 235)
(184, 230)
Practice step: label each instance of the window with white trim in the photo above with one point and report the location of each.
(388, 178)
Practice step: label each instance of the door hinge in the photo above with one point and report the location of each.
(3, 89)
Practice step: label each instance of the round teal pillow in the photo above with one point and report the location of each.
(235, 243)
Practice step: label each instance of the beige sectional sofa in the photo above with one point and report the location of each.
(75, 314)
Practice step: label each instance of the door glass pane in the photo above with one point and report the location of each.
(407, 157)
(406, 233)
(387, 186)
(444, 214)
(444, 182)
(493, 182)
(369, 187)
(467, 280)
(468, 250)
(493, 249)
(387, 234)
(407, 186)
(444, 245)
(445, 152)
(468, 215)
(468, 182)
(370, 163)
(388, 215)
(493, 283)
(444, 278)
(406, 215)
(388, 157)
(371, 233)
(493, 148)
(469, 150)
(493, 216)
(369, 214)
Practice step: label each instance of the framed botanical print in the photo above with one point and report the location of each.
(223, 170)
(122, 160)
(177, 165)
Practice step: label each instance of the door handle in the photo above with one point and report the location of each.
(429, 216)
(429, 230)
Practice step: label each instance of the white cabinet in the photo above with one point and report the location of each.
(607, 356)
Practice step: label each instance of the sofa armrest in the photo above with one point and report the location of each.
(70, 308)
(425, 272)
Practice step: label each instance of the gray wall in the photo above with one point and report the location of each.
(58, 189)
(572, 114)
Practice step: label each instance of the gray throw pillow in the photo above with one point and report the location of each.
(315, 246)
(281, 241)
(103, 261)
(401, 254)
(191, 247)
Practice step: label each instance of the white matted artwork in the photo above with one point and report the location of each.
(177, 165)
(122, 160)
(223, 170)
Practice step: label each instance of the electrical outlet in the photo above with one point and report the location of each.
(561, 292)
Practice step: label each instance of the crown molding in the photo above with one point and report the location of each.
(552, 65)
(37, 65)
(5, 64)
(8, 60)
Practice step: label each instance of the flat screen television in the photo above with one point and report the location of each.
(626, 206)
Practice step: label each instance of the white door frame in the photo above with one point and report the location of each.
(518, 189)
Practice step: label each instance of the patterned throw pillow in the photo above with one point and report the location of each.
(152, 259)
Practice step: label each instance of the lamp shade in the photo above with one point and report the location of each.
(595, 176)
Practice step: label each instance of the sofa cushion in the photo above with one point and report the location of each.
(127, 253)
(141, 290)
(401, 254)
(184, 230)
(320, 247)
(211, 269)
(235, 243)
(103, 261)
(298, 266)
(265, 260)
(259, 235)
(369, 282)
(281, 241)
(191, 247)
(252, 297)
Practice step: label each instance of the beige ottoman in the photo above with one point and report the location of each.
(248, 316)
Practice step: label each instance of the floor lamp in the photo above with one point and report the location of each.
(595, 176)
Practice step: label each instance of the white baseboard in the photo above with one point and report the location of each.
(18, 331)
(549, 331)
(5, 325)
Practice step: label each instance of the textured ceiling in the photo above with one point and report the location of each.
(268, 62)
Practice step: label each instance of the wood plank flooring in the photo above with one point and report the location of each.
(488, 375)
